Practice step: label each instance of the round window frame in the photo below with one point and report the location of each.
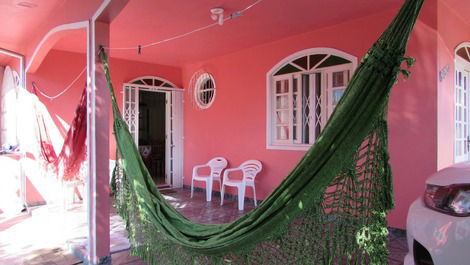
(201, 80)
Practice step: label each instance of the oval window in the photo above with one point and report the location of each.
(205, 89)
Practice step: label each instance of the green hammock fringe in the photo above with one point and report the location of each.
(330, 209)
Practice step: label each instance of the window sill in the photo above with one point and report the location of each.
(288, 147)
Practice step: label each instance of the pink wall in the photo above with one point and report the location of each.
(452, 32)
(56, 72)
(235, 125)
(14, 64)
(60, 68)
(412, 124)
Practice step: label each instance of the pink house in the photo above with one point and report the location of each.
(260, 86)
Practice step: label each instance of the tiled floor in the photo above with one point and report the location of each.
(23, 243)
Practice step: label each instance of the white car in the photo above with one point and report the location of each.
(438, 223)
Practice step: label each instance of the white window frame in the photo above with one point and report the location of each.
(200, 84)
(326, 82)
(464, 121)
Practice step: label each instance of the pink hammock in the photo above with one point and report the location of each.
(66, 165)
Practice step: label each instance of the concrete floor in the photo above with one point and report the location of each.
(44, 236)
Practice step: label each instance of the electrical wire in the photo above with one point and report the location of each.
(139, 47)
(231, 16)
(35, 87)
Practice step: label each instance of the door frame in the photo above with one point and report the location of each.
(173, 121)
(461, 65)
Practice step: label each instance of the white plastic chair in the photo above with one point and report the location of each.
(216, 165)
(250, 169)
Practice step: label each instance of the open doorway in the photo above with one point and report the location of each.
(153, 111)
(152, 133)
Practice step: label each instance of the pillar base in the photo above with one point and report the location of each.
(81, 253)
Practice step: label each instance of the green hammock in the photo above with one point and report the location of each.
(331, 209)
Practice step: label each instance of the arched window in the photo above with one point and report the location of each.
(303, 90)
(462, 108)
(131, 99)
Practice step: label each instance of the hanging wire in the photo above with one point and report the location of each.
(140, 47)
(35, 87)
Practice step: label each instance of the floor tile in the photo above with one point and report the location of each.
(23, 243)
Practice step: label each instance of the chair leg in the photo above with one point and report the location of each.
(209, 190)
(222, 190)
(220, 185)
(192, 188)
(241, 197)
(254, 196)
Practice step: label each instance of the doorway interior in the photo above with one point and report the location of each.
(152, 134)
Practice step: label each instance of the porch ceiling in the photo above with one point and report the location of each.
(145, 21)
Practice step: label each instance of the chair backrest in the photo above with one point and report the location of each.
(250, 169)
(217, 164)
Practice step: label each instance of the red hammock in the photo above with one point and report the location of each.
(67, 164)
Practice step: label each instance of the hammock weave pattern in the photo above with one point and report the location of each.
(330, 209)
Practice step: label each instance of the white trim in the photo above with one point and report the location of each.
(174, 115)
(464, 66)
(201, 80)
(178, 139)
(64, 27)
(292, 147)
(154, 88)
(310, 51)
(169, 160)
(269, 83)
(22, 69)
(91, 144)
(461, 45)
(100, 10)
(152, 77)
(133, 89)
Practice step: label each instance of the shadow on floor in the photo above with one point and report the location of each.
(41, 238)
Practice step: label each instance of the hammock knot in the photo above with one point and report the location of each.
(406, 73)
(409, 61)
(386, 59)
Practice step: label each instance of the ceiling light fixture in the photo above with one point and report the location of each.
(217, 14)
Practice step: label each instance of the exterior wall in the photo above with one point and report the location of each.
(57, 71)
(14, 64)
(235, 126)
(60, 68)
(413, 124)
(452, 32)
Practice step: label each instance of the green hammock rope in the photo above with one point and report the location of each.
(330, 209)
